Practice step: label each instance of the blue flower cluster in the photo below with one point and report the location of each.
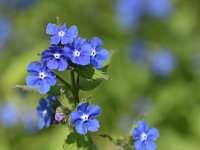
(66, 49)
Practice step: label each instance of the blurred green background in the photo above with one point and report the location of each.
(141, 85)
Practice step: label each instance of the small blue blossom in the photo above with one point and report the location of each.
(144, 137)
(41, 77)
(61, 34)
(55, 58)
(9, 115)
(84, 118)
(97, 55)
(162, 63)
(79, 51)
(138, 50)
(44, 114)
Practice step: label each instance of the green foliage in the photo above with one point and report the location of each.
(76, 141)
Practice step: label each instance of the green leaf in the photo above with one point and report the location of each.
(89, 72)
(77, 141)
(65, 101)
(26, 88)
(86, 85)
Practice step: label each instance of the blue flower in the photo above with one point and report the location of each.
(84, 118)
(44, 114)
(52, 99)
(59, 114)
(61, 34)
(79, 51)
(144, 137)
(159, 8)
(41, 77)
(137, 51)
(9, 115)
(97, 55)
(55, 58)
(162, 63)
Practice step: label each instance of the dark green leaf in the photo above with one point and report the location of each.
(76, 141)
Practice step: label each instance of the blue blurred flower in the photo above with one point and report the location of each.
(5, 30)
(159, 8)
(98, 55)
(41, 77)
(137, 51)
(9, 115)
(84, 118)
(55, 58)
(79, 51)
(44, 114)
(61, 34)
(162, 63)
(144, 137)
(129, 12)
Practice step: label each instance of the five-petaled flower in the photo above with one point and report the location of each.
(41, 77)
(84, 118)
(97, 55)
(144, 137)
(61, 34)
(55, 58)
(44, 114)
(79, 51)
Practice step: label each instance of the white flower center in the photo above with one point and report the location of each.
(77, 53)
(93, 54)
(84, 117)
(44, 113)
(61, 34)
(42, 75)
(57, 56)
(144, 137)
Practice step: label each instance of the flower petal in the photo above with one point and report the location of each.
(72, 32)
(94, 111)
(83, 107)
(136, 134)
(41, 123)
(93, 125)
(142, 126)
(81, 127)
(66, 40)
(75, 117)
(103, 54)
(32, 81)
(51, 29)
(62, 65)
(139, 145)
(55, 39)
(44, 87)
(34, 67)
(63, 27)
(153, 134)
(150, 145)
(96, 43)
(84, 60)
(96, 63)
(52, 64)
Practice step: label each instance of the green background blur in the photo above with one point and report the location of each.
(171, 104)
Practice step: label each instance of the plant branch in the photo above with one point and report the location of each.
(74, 87)
(63, 81)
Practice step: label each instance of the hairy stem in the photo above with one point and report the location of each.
(63, 81)
(74, 87)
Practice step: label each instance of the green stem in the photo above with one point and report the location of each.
(63, 81)
(74, 87)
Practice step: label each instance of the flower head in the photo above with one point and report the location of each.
(79, 51)
(97, 55)
(41, 77)
(144, 137)
(84, 118)
(59, 114)
(55, 58)
(44, 114)
(61, 34)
